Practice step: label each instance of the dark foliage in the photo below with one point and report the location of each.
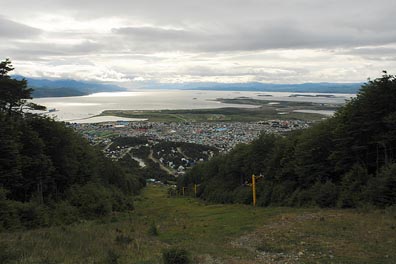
(176, 256)
(153, 231)
(14, 94)
(347, 161)
(51, 175)
(127, 142)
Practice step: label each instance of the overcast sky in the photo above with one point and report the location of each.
(133, 41)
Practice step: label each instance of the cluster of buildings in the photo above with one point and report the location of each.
(222, 135)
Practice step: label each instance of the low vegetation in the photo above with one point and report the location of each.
(264, 112)
(211, 233)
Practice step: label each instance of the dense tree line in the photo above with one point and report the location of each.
(348, 160)
(48, 173)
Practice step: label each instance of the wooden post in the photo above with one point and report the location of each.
(195, 190)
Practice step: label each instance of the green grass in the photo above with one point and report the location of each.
(211, 234)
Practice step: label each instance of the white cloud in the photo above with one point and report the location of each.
(178, 40)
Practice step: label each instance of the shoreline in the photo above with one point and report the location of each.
(83, 109)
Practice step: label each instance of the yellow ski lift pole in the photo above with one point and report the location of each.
(254, 189)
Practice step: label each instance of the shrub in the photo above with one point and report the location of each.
(64, 213)
(112, 257)
(153, 231)
(120, 201)
(33, 215)
(176, 256)
(381, 190)
(123, 240)
(325, 194)
(172, 192)
(243, 195)
(92, 200)
(352, 185)
(14, 214)
(9, 218)
(7, 254)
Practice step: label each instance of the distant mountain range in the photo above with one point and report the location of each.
(351, 88)
(66, 87)
(69, 87)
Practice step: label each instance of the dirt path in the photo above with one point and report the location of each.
(126, 152)
(162, 166)
(182, 153)
(107, 146)
(140, 161)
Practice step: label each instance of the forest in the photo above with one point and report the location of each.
(346, 161)
(49, 175)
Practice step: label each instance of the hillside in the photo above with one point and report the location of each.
(40, 92)
(345, 161)
(49, 175)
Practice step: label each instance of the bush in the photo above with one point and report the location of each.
(176, 256)
(9, 218)
(301, 197)
(92, 200)
(64, 213)
(352, 186)
(281, 193)
(120, 201)
(325, 194)
(381, 190)
(123, 240)
(112, 257)
(264, 193)
(33, 215)
(243, 195)
(15, 215)
(7, 254)
(172, 192)
(153, 231)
